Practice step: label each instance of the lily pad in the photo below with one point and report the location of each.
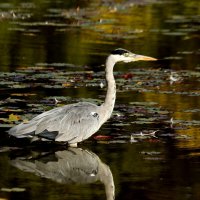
(13, 189)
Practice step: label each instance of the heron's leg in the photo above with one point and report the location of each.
(73, 145)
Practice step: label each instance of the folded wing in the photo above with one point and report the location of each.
(71, 123)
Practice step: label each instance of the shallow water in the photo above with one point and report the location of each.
(56, 50)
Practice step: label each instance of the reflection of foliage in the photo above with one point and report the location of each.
(38, 32)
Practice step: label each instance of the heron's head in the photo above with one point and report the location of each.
(122, 55)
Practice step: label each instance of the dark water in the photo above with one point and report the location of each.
(55, 49)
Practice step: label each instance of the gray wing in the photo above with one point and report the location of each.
(28, 129)
(71, 123)
(74, 123)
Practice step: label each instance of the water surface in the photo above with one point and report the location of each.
(57, 49)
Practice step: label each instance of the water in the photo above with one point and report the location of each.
(55, 49)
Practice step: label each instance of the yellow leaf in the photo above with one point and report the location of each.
(139, 83)
(66, 84)
(13, 117)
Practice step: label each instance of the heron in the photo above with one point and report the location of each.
(74, 123)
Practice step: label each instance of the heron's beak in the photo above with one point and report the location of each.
(141, 57)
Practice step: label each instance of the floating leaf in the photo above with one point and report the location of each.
(4, 120)
(13, 189)
(102, 137)
(13, 118)
(67, 84)
(23, 94)
(6, 125)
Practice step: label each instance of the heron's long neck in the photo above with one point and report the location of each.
(108, 105)
(106, 177)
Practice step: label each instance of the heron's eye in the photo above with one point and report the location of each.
(126, 54)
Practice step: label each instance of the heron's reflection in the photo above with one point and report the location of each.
(74, 165)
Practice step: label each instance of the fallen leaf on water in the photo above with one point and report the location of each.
(10, 110)
(139, 83)
(127, 76)
(13, 117)
(13, 189)
(23, 94)
(102, 137)
(4, 120)
(66, 84)
(6, 125)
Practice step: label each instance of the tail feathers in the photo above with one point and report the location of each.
(23, 130)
